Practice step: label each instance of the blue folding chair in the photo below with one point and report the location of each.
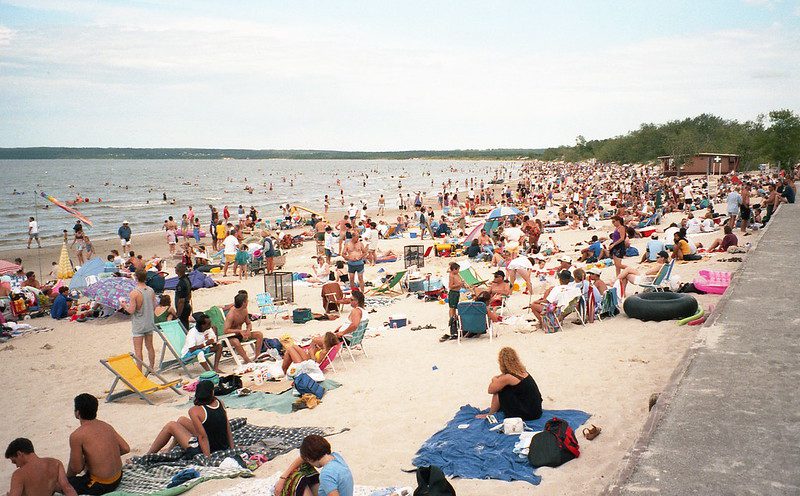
(473, 318)
(268, 307)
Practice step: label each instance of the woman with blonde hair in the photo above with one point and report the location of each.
(298, 354)
(514, 392)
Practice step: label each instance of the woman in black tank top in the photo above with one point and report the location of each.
(514, 392)
(205, 431)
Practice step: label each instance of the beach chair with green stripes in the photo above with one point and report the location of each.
(471, 277)
(388, 286)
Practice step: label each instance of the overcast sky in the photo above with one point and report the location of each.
(375, 75)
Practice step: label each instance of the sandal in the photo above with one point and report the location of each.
(591, 433)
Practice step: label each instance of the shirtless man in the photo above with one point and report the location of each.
(497, 288)
(744, 208)
(238, 316)
(96, 448)
(342, 226)
(354, 253)
(35, 476)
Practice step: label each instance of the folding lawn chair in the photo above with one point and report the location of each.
(268, 307)
(473, 317)
(330, 357)
(332, 297)
(356, 338)
(661, 281)
(388, 286)
(554, 316)
(173, 334)
(124, 367)
(609, 305)
(471, 277)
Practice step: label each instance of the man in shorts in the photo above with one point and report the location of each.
(236, 318)
(354, 253)
(455, 284)
(95, 449)
(124, 233)
(229, 246)
(33, 232)
(35, 475)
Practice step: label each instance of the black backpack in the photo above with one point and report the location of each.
(432, 482)
(554, 446)
(227, 385)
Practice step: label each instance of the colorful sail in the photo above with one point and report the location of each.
(67, 208)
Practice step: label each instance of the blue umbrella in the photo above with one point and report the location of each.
(498, 212)
(92, 267)
(108, 291)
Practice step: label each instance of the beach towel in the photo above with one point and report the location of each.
(478, 453)
(264, 487)
(151, 474)
(279, 403)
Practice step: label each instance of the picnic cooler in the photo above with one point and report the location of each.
(301, 315)
(416, 285)
(398, 320)
(443, 249)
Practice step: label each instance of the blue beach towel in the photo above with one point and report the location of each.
(478, 453)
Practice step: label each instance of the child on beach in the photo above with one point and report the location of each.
(456, 284)
(240, 261)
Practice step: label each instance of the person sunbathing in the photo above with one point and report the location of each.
(551, 295)
(350, 323)
(206, 430)
(726, 241)
(96, 449)
(236, 318)
(35, 475)
(315, 352)
(642, 274)
(514, 392)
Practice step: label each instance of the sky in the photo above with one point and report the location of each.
(384, 75)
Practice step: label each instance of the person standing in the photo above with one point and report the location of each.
(96, 449)
(455, 285)
(33, 232)
(183, 295)
(141, 305)
(381, 205)
(230, 244)
(744, 207)
(734, 201)
(354, 253)
(36, 475)
(124, 233)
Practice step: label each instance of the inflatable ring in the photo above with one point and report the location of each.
(691, 318)
(660, 306)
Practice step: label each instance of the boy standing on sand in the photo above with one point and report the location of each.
(35, 475)
(456, 284)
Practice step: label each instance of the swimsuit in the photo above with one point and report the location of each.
(89, 484)
(355, 266)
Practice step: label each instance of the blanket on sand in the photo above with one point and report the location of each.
(475, 452)
(151, 474)
(265, 487)
(280, 403)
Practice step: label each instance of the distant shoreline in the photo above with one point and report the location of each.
(91, 153)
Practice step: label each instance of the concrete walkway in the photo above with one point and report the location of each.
(730, 421)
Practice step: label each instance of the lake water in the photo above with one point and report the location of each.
(132, 189)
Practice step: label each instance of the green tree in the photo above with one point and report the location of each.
(782, 138)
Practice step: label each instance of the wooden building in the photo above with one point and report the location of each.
(702, 163)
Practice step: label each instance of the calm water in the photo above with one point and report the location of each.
(132, 189)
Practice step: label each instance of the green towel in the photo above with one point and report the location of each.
(280, 403)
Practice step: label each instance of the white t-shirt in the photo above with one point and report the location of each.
(195, 338)
(34, 227)
(562, 295)
(329, 241)
(230, 244)
(687, 191)
(367, 237)
(693, 226)
(513, 234)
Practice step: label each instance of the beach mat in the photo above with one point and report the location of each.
(278, 403)
(265, 487)
(151, 474)
(478, 453)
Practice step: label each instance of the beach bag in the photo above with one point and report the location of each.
(631, 252)
(513, 426)
(432, 482)
(554, 446)
(302, 315)
(227, 385)
(304, 384)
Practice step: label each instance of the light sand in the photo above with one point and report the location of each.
(391, 401)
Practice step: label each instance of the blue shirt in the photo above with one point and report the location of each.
(336, 476)
(596, 248)
(110, 267)
(734, 200)
(124, 233)
(653, 247)
(60, 308)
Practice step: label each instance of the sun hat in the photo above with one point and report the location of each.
(124, 221)
(594, 270)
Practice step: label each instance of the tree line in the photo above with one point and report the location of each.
(773, 138)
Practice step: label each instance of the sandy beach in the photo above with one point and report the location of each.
(393, 400)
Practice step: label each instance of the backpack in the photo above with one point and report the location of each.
(554, 446)
(432, 482)
(303, 383)
(227, 385)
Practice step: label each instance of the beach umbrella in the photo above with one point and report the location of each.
(498, 212)
(7, 267)
(65, 270)
(92, 267)
(108, 291)
(473, 234)
(66, 208)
